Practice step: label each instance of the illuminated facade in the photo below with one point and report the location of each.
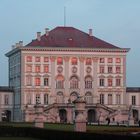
(62, 64)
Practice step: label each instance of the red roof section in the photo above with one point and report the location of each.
(70, 37)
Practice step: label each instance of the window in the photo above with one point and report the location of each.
(46, 59)
(37, 81)
(46, 81)
(37, 68)
(88, 61)
(118, 60)
(6, 99)
(59, 61)
(28, 97)
(74, 82)
(60, 97)
(118, 99)
(88, 82)
(133, 100)
(110, 70)
(60, 82)
(118, 69)
(109, 99)
(101, 82)
(118, 82)
(101, 69)
(28, 68)
(45, 99)
(29, 80)
(46, 69)
(102, 60)
(88, 98)
(38, 99)
(37, 59)
(110, 60)
(110, 82)
(29, 58)
(101, 98)
(74, 61)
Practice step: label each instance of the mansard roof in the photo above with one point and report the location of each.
(133, 89)
(6, 89)
(70, 37)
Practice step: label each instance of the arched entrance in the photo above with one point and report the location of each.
(135, 115)
(63, 115)
(6, 115)
(91, 116)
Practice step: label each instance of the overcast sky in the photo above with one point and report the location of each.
(115, 21)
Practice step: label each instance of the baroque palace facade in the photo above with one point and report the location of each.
(64, 63)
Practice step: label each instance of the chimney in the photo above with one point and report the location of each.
(17, 45)
(38, 36)
(90, 32)
(47, 31)
(20, 43)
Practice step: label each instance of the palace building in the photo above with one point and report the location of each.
(64, 63)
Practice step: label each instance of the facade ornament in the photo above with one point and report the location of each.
(95, 59)
(66, 58)
(53, 58)
(82, 59)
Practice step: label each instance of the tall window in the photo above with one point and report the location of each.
(110, 82)
(88, 82)
(102, 60)
(88, 98)
(46, 69)
(74, 82)
(28, 98)
(60, 98)
(101, 98)
(37, 81)
(38, 99)
(6, 99)
(60, 82)
(88, 61)
(110, 70)
(46, 99)
(46, 59)
(110, 60)
(37, 68)
(118, 82)
(74, 61)
(109, 99)
(133, 100)
(118, 69)
(118, 99)
(101, 69)
(101, 82)
(118, 60)
(28, 68)
(37, 59)
(59, 61)
(29, 58)
(46, 81)
(29, 80)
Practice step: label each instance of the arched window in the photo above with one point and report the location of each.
(60, 97)
(88, 98)
(59, 82)
(88, 82)
(59, 61)
(73, 96)
(46, 81)
(74, 61)
(74, 81)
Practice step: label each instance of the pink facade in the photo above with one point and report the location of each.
(65, 63)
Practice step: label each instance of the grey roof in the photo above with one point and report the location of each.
(6, 89)
(133, 89)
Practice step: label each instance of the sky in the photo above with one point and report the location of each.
(115, 21)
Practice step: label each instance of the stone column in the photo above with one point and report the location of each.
(67, 76)
(95, 79)
(80, 119)
(39, 122)
(82, 81)
(53, 58)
